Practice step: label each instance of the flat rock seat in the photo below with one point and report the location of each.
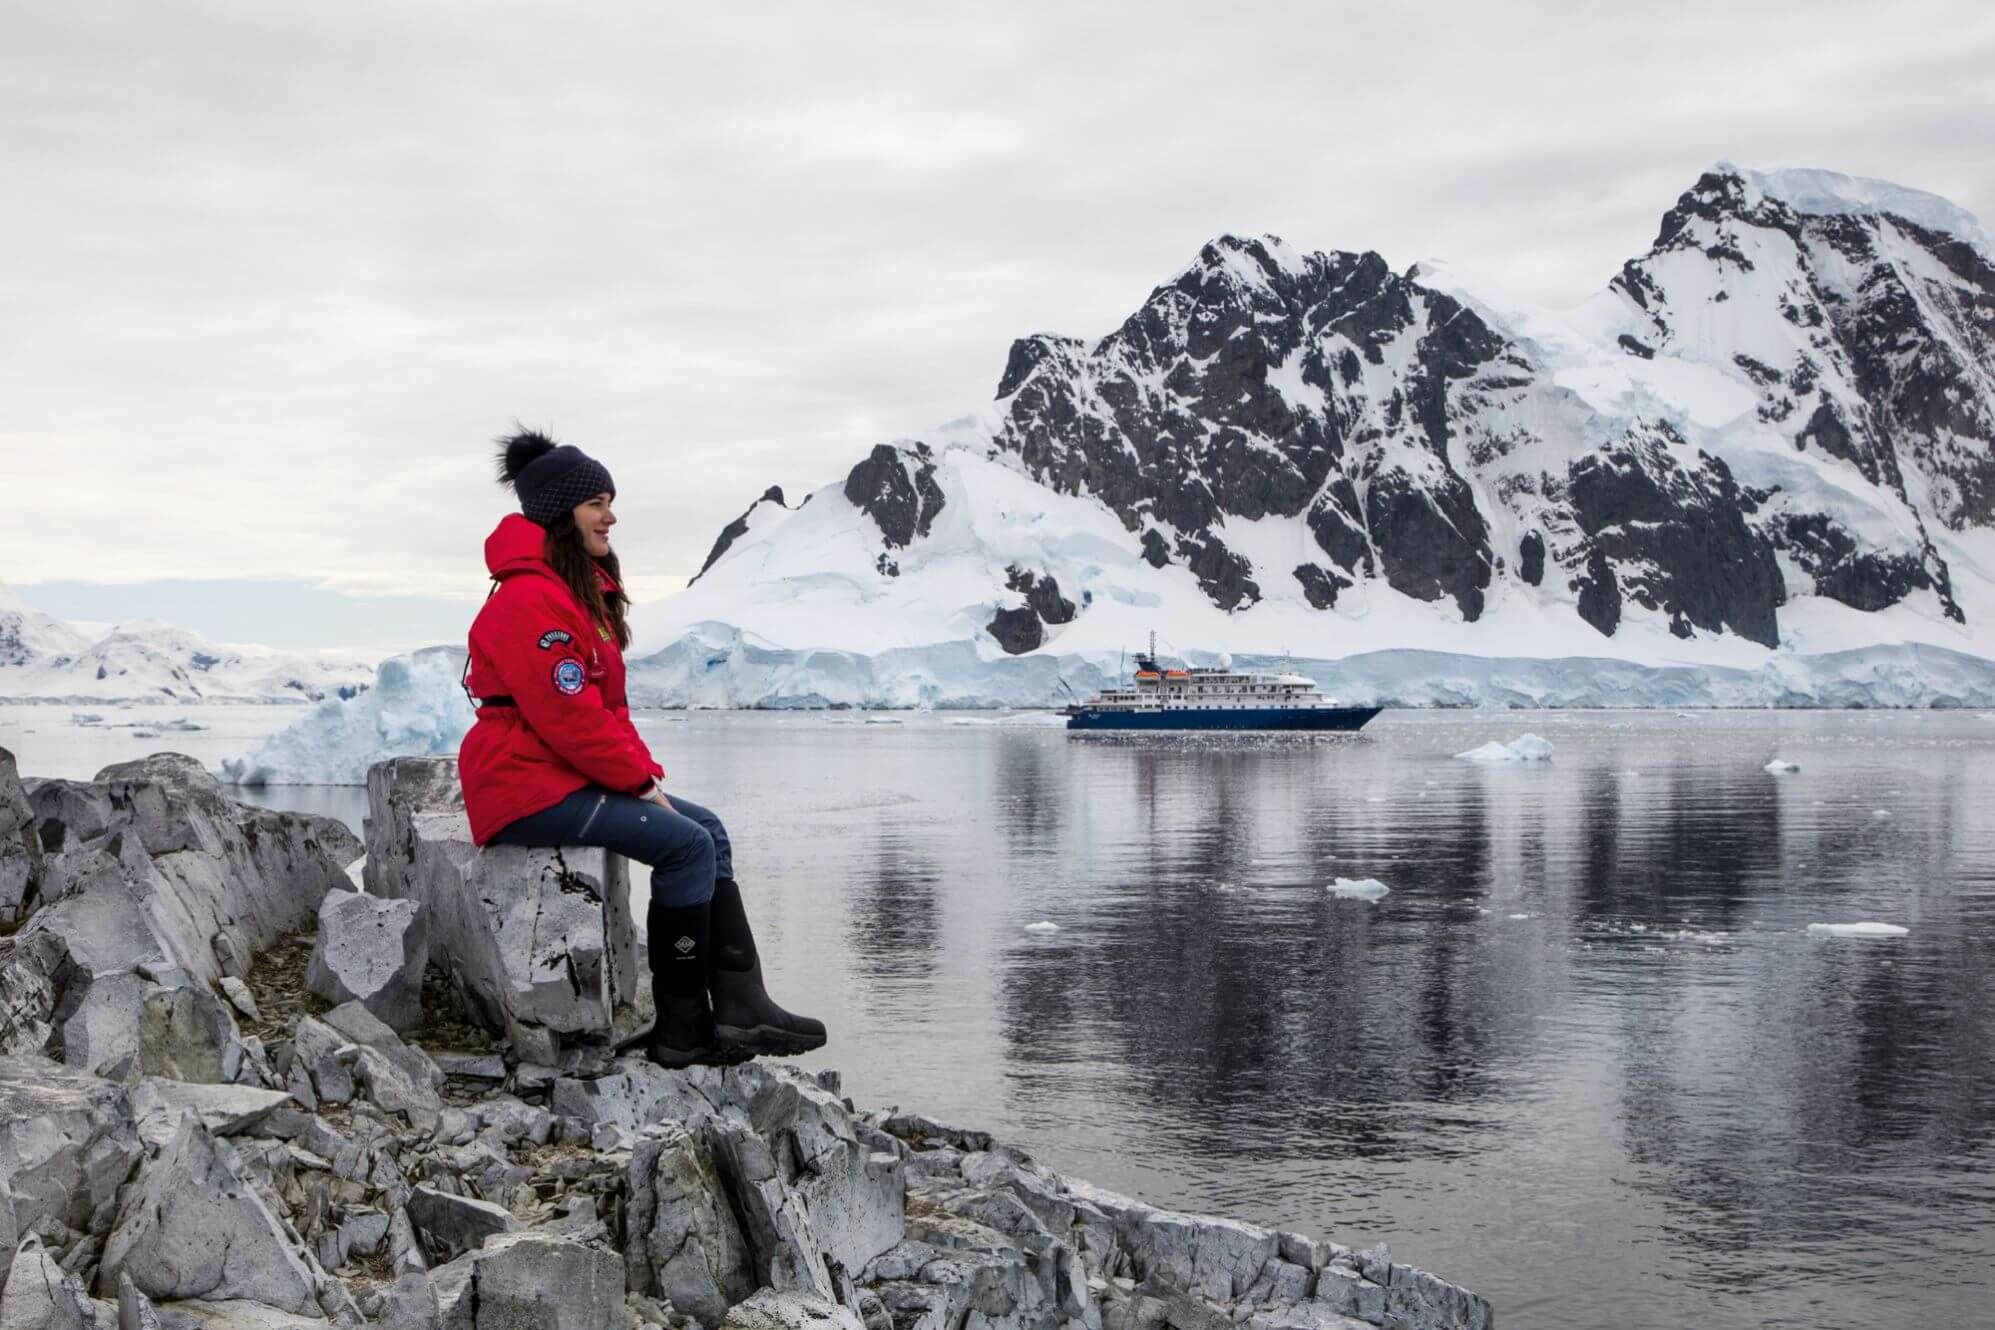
(539, 944)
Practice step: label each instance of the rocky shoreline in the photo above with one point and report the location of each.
(236, 1094)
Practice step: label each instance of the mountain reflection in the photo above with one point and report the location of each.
(1576, 930)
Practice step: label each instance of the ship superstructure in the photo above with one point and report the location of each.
(1160, 697)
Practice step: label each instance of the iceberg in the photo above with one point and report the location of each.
(1359, 888)
(1524, 748)
(1865, 929)
(416, 708)
(1044, 926)
(1780, 765)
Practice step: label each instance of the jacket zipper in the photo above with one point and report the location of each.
(590, 821)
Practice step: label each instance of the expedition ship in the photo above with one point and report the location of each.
(1213, 699)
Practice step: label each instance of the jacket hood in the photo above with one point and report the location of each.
(515, 546)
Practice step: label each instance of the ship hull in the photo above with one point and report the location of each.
(1224, 718)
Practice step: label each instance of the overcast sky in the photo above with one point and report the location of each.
(273, 275)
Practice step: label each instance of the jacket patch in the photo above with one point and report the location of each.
(552, 636)
(569, 676)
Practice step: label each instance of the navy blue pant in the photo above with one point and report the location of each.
(687, 848)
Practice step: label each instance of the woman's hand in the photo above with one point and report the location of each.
(656, 795)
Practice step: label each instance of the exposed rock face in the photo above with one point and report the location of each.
(193, 1227)
(540, 944)
(1791, 393)
(20, 847)
(1017, 631)
(371, 951)
(41, 1295)
(67, 1142)
(533, 1279)
(736, 529)
(600, 1194)
(147, 864)
(896, 487)
(1675, 529)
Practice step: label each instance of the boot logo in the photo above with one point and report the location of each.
(685, 946)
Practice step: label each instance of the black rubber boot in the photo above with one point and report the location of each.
(747, 1021)
(683, 1034)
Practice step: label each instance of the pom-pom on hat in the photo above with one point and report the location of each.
(549, 478)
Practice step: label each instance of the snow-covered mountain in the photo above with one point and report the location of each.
(47, 659)
(1768, 439)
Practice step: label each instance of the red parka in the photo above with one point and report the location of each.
(569, 723)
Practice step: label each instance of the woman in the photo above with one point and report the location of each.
(554, 759)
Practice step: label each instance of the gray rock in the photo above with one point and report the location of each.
(784, 1251)
(224, 1110)
(153, 863)
(67, 1143)
(135, 1309)
(101, 1018)
(229, 956)
(855, 1194)
(41, 1295)
(315, 1047)
(371, 951)
(635, 1095)
(236, 1314)
(189, 1034)
(515, 1120)
(20, 848)
(771, 1310)
(1219, 1259)
(34, 966)
(539, 943)
(238, 995)
(393, 1075)
(448, 1226)
(522, 1280)
(681, 1239)
(191, 1226)
(408, 1304)
(472, 1066)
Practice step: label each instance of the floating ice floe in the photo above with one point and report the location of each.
(1524, 748)
(1043, 926)
(1865, 929)
(1881, 812)
(1519, 916)
(1781, 764)
(1359, 888)
(883, 720)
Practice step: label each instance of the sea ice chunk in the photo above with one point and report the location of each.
(1865, 929)
(1781, 764)
(1524, 748)
(1359, 888)
(1043, 926)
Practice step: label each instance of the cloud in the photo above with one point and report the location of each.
(277, 274)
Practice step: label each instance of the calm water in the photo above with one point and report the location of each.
(1584, 1058)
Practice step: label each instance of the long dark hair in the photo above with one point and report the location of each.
(573, 564)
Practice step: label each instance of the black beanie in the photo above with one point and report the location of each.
(550, 478)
